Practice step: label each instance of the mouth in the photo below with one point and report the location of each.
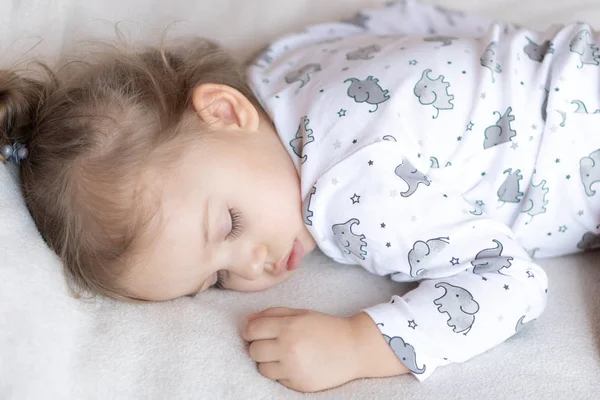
(292, 260)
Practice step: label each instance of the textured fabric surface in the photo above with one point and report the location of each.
(52, 346)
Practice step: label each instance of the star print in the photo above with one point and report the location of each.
(345, 69)
(522, 83)
(534, 127)
(528, 309)
(482, 96)
(321, 91)
(568, 176)
(276, 96)
(483, 278)
(418, 155)
(464, 72)
(337, 144)
(580, 213)
(265, 80)
(530, 138)
(483, 174)
(355, 199)
(549, 234)
(342, 113)
(459, 138)
(554, 129)
(506, 287)
(354, 141)
(557, 160)
(393, 193)
(383, 224)
(370, 162)
(413, 218)
(412, 324)
(514, 146)
(388, 244)
(445, 195)
(530, 274)
(500, 318)
(470, 126)
(562, 228)
(413, 62)
(420, 143)
(480, 203)
(334, 181)
(454, 261)
(556, 89)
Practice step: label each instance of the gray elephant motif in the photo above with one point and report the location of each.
(589, 170)
(536, 199)
(434, 92)
(264, 56)
(349, 242)
(421, 256)
(411, 176)
(501, 132)
(520, 323)
(359, 20)
(589, 241)
(509, 190)
(306, 211)
(405, 352)
(586, 49)
(460, 306)
(489, 60)
(490, 260)
(304, 136)
(363, 53)
(582, 109)
(446, 40)
(367, 90)
(537, 52)
(302, 75)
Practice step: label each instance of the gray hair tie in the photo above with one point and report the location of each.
(14, 153)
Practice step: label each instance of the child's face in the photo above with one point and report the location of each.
(240, 190)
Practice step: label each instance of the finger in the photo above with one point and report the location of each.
(275, 312)
(271, 370)
(261, 329)
(264, 351)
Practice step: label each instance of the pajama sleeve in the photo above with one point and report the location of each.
(478, 286)
(410, 17)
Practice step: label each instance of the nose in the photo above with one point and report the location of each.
(253, 269)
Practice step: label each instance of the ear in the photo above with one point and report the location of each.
(222, 106)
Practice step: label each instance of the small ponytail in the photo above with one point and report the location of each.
(20, 99)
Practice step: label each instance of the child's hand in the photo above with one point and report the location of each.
(304, 350)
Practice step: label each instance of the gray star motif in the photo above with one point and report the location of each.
(334, 181)
(482, 95)
(412, 324)
(580, 213)
(506, 287)
(480, 203)
(562, 229)
(355, 199)
(393, 193)
(470, 126)
(342, 113)
(514, 146)
(454, 261)
(337, 144)
(530, 274)
(413, 62)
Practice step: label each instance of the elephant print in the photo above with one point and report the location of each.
(509, 190)
(589, 241)
(304, 136)
(537, 52)
(367, 90)
(434, 92)
(490, 260)
(586, 49)
(501, 132)
(536, 199)
(589, 170)
(411, 176)
(405, 352)
(302, 75)
(460, 306)
(306, 211)
(446, 40)
(489, 60)
(582, 109)
(363, 53)
(349, 242)
(421, 256)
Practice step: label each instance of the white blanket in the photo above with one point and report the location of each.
(55, 347)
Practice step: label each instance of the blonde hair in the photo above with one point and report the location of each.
(91, 129)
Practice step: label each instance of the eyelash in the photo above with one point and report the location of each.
(236, 226)
(219, 283)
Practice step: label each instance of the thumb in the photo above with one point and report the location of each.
(275, 312)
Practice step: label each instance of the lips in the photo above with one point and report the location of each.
(292, 260)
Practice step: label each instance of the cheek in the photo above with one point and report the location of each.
(239, 284)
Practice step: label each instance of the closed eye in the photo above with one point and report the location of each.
(236, 225)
